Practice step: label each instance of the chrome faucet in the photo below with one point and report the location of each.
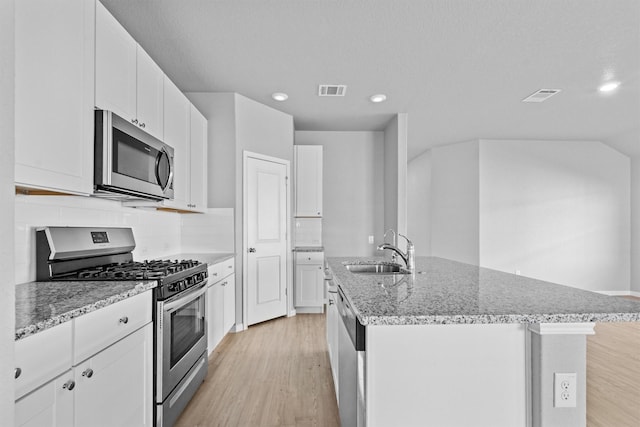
(409, 258)
(384, 239)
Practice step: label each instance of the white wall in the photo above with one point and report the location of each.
(418, 207)
(156, 233)
(353, 200)
(395, 174)
(7, 290)
(557, 211)
(236, 124)
(454, 201)
(635, 225)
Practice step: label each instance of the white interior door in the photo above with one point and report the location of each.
(266, 208)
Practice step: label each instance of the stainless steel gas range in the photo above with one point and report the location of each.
(180, 324)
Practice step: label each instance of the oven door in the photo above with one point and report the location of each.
(181, 333)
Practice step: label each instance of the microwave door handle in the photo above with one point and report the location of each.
(170, 180)
(161, 154)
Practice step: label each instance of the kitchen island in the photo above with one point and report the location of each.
(458, 345)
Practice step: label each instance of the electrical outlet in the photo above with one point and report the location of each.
(564, 390)
(371, 240)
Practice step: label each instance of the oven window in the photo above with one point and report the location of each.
(133, 158)
(187, 328)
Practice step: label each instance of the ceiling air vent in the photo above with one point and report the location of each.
(332, 90)
(541, 95)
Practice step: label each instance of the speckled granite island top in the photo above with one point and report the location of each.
(448, 292)
(42, 305)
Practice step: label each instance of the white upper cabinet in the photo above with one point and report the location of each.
(198, 166)
(116, 78)
(177, 113)
(128, 82)
(149, 94)
(308, 180)
(54, 84)
(186, 131)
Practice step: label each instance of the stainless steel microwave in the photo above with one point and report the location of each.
(130, 162)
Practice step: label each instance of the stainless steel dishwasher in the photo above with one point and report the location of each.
(351, 365)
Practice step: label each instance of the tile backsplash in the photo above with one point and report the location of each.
(156, 233)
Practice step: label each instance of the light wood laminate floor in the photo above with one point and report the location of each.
(277, 374)
(273, 374)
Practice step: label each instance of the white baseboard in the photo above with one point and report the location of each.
(292, 313)
(238, 327)
(310, 309)
(615, 293)
(635, 294)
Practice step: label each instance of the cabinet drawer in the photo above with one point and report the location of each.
(41, 357)
(101, 328)
(221, 270)
(310, 258)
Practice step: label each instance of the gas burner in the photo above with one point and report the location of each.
(133, 270)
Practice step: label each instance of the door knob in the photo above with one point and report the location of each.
(252, 250)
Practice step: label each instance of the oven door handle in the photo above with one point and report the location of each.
(193, 294)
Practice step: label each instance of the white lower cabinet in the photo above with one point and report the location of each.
(333, 320)
(309, 282)
(114, 387)
(49, 405)
(229, 314)
(96, 370)
(221, 302)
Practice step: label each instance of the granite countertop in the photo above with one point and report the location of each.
(43, 305)
(210, 258)
(442, 291)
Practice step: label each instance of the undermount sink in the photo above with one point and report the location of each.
(376, 269)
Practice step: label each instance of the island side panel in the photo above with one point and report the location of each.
(552, 354)
(446, 375)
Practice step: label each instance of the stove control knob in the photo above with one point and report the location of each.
(183, 285)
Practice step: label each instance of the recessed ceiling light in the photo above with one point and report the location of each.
(608, 87)
(380, 97)
(280, 96)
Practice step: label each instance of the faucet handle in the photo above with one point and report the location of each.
(409, 242)
(391, 230)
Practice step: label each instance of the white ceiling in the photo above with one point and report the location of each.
(458, 68)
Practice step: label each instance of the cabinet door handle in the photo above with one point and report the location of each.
(142, 125)
(134, 121)
(331, 302)
(252, 250)
(88, 373)
(124, 320)
(224, 283)
(17, 372)
(319, 268)
(69, 385)
(229, 266)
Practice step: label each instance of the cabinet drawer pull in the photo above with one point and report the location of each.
(88, 373)
(69, 385)
(331, 302)
(124, 320)
(229, 266)
(17, 373)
